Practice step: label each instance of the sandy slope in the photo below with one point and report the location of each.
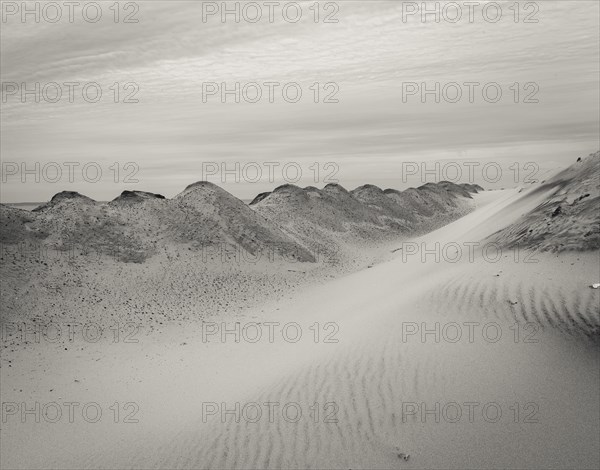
(142, 257)
(340, 223)
(569, 219)
(364, 379)
(374, 372)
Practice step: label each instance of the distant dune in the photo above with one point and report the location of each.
(202, 252)
(334, 220)
(28, 206)
(140, 223)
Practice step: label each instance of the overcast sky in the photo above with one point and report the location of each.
(370, 54)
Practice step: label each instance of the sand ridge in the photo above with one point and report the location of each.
(364, 398)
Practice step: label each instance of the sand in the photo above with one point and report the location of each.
(370, 387)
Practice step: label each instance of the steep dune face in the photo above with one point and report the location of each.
(434, 205)
(323, 220)
(387, 209)
(337, 224)
(232, 221)
(290, 220)
(187, 249)
(203, 250)
(366, 207)
(569, 219)
(137, 224)
(142, 257)
(76, 222)
(203, 217)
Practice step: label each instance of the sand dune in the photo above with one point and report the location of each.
(374, 372)
(339, 223)
(204, 245)
(483, 361)
(569, 219)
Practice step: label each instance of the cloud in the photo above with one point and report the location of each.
(369, 53)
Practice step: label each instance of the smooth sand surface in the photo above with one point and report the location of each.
(370, 387)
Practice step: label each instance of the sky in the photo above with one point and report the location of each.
(171, 126)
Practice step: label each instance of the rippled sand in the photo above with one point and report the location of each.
(382, 390)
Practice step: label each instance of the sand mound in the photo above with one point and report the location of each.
(569, 219)
(73, 222)
(298, 224)
(432, 205)
(144, 257)
(205, 205)
(334, 222)
(333, 209)
(137, 224)
(387, 209)
(65, 198)
(132, 197)
(472, 188)
(330, 222)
